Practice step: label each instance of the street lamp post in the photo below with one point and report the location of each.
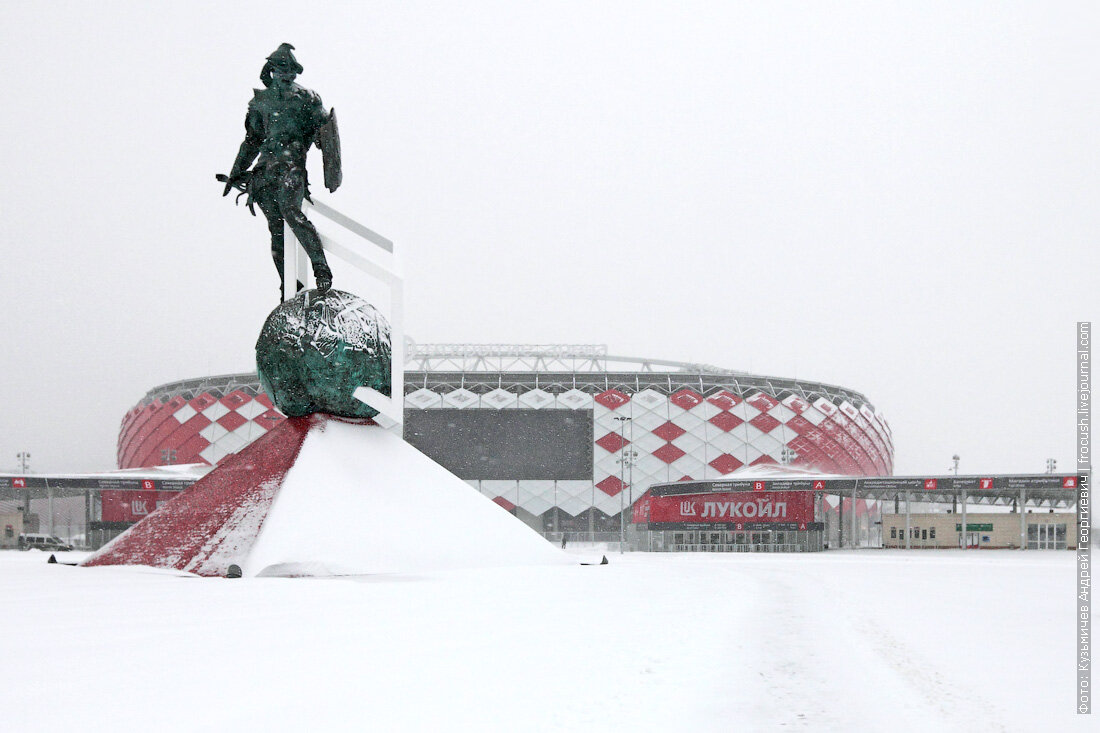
(625, 460)
(630, 477)
(622, 460)
(24, 459)
(954, 500)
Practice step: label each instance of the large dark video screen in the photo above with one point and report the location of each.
(505, 444)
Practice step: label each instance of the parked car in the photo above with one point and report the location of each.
(43, 542)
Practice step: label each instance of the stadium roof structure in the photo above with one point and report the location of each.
(1044, 489)
(481, 368)
(536, 358)
(167, 472)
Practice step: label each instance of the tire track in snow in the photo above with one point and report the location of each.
(826, 663)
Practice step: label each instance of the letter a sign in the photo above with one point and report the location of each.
(802, 525)
(1069, 482)
(818, 486)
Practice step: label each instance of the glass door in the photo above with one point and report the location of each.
(1046, 536)
(1055, 536)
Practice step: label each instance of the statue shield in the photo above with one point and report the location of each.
(328, 140)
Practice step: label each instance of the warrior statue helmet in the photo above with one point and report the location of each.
(282, 60)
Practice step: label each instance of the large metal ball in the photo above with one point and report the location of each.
(316, 349)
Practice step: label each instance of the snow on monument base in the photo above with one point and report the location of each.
(325, 496)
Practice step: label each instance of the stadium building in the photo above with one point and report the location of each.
(673, 456)
(565, 437)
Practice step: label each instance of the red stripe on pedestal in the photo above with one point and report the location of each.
(198, 530)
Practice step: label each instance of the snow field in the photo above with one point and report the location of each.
(870, 640)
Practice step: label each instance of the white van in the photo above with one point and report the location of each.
(43, 542)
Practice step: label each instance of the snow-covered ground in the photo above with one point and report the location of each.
(871, 640)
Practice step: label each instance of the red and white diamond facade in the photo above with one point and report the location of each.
(671, 426)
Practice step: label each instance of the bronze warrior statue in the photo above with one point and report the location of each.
(283, 120)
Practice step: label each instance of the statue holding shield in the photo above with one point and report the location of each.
(282, 122)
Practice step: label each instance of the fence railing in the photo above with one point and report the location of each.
(737, 548)
(571, 537)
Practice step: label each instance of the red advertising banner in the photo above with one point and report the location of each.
(130, 506)
(740, 506)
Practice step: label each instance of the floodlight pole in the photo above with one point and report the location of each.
(630, 484)
(1023, 519)
(965, 534)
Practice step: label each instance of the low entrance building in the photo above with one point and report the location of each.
(806, 513)
(1006, 530)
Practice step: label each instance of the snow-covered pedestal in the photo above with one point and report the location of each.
(323, 496)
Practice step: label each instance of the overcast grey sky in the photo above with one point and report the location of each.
(900, 198)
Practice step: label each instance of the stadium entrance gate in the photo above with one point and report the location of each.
(729, 516)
